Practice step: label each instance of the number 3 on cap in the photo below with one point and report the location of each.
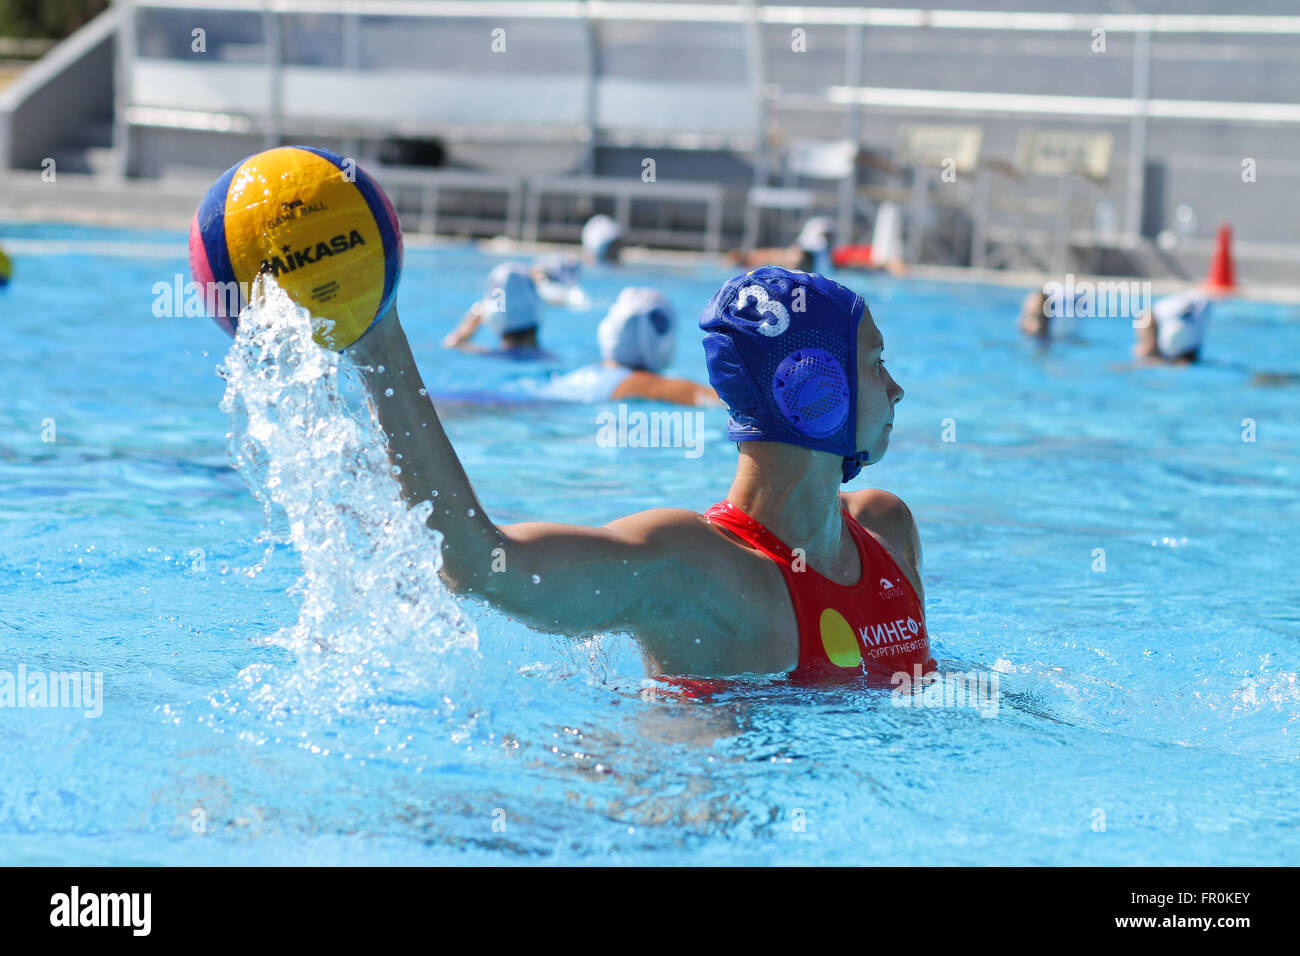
(778, 318)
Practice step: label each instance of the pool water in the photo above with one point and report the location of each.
(286, 681)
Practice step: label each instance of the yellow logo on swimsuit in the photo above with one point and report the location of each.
(838, 639)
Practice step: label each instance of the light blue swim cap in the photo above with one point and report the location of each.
(511, 303)
(639, 330)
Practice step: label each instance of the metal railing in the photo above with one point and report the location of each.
(588, 107)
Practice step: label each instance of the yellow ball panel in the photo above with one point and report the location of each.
(292, 213)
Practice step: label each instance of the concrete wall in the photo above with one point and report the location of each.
(61, 99)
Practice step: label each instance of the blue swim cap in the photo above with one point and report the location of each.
(782, 352)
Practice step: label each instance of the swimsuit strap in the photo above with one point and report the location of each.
(728, 516)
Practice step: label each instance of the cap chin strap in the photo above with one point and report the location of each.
(853, 465)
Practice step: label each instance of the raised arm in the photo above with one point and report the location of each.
(459, 337)
(679, 391)
(569, 579)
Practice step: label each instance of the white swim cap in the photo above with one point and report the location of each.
(511, 303)
(599, 235)
(638, 331)
(1181, 323)
(816, 234)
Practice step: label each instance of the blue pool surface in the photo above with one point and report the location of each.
(263, 701)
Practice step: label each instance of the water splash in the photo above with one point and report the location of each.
(376, 626)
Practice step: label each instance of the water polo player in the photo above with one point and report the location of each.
(555, 277)
(637, 339)
(602, 239)
(1172, 331)
(1046, 314)
(510, 308)
(787, 574)
(810, 251)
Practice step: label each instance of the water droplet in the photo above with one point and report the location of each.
(388, 392)
(395, 470)
(379, 368)
(434, 493)
(537, 579)
(424, 391)
(470, 513)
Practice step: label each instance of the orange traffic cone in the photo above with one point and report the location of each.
(1222, 277)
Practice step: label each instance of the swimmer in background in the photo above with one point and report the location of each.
(637, 340)
(1172, 331)
(787, 575)
(1043, 315)
(1034, 319)
(810, 251)
(602, 239)
(511, 308)
(555, 277)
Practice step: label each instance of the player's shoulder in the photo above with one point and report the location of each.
(689, 541)
(886, 516)
(875, 506)
(663, 525)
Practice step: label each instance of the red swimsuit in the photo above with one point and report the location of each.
(875, 627)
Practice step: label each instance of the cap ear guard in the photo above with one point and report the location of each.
(659, 321)
(655, 330)
(812, 391)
